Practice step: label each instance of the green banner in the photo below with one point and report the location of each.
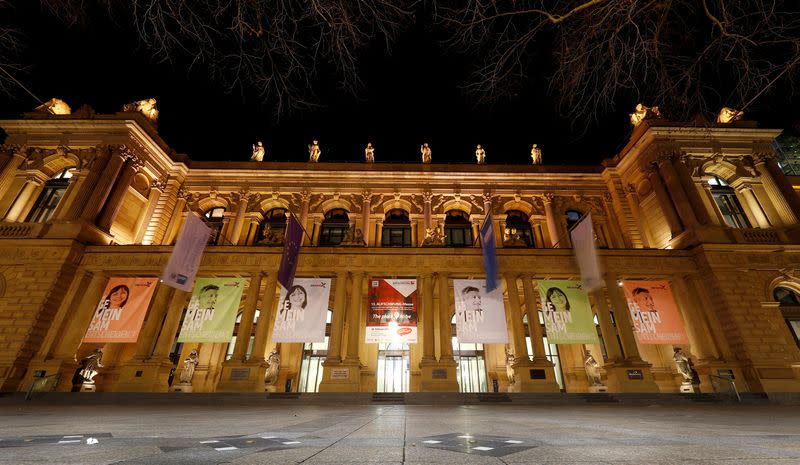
(212, 311)
(567, 313)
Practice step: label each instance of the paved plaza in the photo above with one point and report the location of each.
(288, 433)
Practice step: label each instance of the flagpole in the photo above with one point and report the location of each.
(301, 227)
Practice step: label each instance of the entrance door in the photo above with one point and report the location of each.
(393, 372)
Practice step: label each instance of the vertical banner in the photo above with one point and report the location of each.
(655, 316)
(488, 248)
(392, 311)
(291, 248)
(302, 311)
(567, 312)
(480, 315)
(120, 313)
(185, 258)
(212, 310)
(583, 245)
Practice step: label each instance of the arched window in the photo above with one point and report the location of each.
(573, 216)
(790, 309)
(334, 227)
(214, 219)
(396, 229)
(273, 227)
(51, 195)
(457, 229)
(518, 231)
(728, 203)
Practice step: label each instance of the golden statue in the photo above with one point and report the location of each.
(55, 106)
(425, 149)
(314, 151)
(369, 153)
(536, 155)
(642, 113)
(147, 107)
(258, 152)
(729, 115)
(480, 154)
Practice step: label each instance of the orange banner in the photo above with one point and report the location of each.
(654, 313)
(121, 311)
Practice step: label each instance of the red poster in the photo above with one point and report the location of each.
(120, 313)
(654, 313)
(392, 312)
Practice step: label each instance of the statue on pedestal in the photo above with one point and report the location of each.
(684, 365)
(642, 113)
(258, 152)
(369, 153)
(55, 106)
(511, 238)
(314, 151)
(353, 236)
(147, 107)
(274, 361)
(188, 367)
(90, 364)
(269, 237)
(480, 154)
(536, 155)
(729, 115)
(510, 367)
(433, 237)
(592, 370)
(427, 155)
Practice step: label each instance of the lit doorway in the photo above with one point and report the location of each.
(393, 364)
(470, 364)
(314, 354)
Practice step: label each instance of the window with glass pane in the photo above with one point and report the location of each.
(214, 220)
(314, 354)
(396, 229)
(52, 193)
(457, 229)
(393, 367)
(517, 225)
(573, 216)
(334, 227)
(790, 308)
(470, 363)
(728, 203)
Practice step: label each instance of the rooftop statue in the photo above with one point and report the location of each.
(425, 149)
(55, 106)
(729, 115)
(480, 154)
(536, 155)
(314, 151)
(642, 113)
(258, 152)
(147, 107)
(369, 153)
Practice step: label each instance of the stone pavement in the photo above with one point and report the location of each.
(280, 433)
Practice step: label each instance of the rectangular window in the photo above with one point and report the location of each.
(731, 209)
(396, 237)
(332, 234)
(458, 236)
(47, 202)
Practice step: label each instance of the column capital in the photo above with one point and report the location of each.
(427, 196)
(548, 197)
(159, 184)
(305, 195)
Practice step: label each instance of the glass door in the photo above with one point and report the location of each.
(393, 367)
(470, 366)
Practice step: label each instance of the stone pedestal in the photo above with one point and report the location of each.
(598, 388)
(144, 376)
(630, 377)
(340, 377)
(534, 376)
(182, 387)
(689, 388)
(438, 377)
(88, 387)
(242, 377)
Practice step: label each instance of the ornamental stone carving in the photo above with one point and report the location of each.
(642, 113)
(54, 106)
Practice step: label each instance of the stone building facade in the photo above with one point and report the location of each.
(86, 197)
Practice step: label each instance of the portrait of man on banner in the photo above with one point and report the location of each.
(567, 313)
(212, 310)
(302, 311)
(654, 313)
(121, 311)
(480, 315)
(392, 311)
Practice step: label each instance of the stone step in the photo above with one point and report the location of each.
(389, 397)
(283, 395)
(597, 398)
(493, 397)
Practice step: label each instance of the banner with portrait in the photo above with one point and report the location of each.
(392, 311)
(212, 310)
(567, 313)
(654, 313)
(302, 311)
(121, 311)
(480, 315)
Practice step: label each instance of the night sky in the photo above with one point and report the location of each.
(409, 97)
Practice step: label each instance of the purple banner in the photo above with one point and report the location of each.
(291, 248)
(185, 259)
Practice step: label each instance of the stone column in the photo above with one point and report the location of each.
(633, 202)
(156, 189)
(445, 327)
(175, 220)
(427, 196)
(709, 200)
(692, 194)
(9, 171)
(337, 320)
(105, 183)
(487, 203)
(534, 327)
(552, 226)
(607, 327)
(170, 327)
(267, 318)
(305, 198)
(354, 318)
(696, 328)
(623, 316)
(248, 314)
(676, 193)
(781, 201)
(664, 201)
(155, 317)
(515, 315)
(317, 228)
(238, 221)
(428, 339)
(379, 233)
(81, 316)
(745, 192)
(365, 209)
(24, 202)
(117, 196)
(476, 232)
